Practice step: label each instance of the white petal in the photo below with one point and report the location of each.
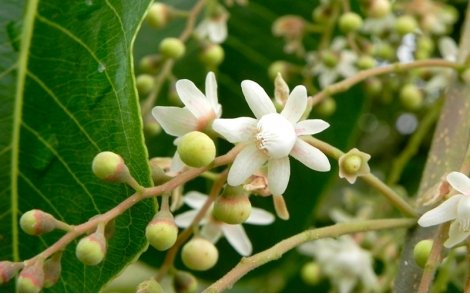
(257, 99)
(195, 199)
(310, 127)
(296, 104)
(446, 211)
(193, 98)
(177, 165)
(338, 44)
(346, 283)
(237, 237)
(310, 156)
(236, 130)
(278, 175)
(448, 48)
(328, 77)
(212, 231)
(459, 182)
(260, 216)
(174, 120)
(249, 160)
(217, 31)
(211, 91)
(456, 235)
(185, 219)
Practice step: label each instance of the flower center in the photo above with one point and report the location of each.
(463, 213)
(275, 136)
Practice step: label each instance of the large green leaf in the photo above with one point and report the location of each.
(67, 93)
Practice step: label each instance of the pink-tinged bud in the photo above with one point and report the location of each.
(91, 250)
(52, 270)
(8, 270)
(162, 231)
(199, 254)
(110, 166)
(280, 207)
(31, 278)
(289, 26)
(36, 222)
(149, 286)
(233, 207)
(184, 282)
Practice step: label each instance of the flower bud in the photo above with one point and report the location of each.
(212, 55)
(184, 282)
(150, 63)
(411, 97)
(405, 24)
(350, 22)
(373, 86)
(172, 48)
(326, 107)
(8, 270)
(52, 270)
(158, 15)
(149, 286)
(280, 67)
(366, 62)
(353, 164)
(31, 278)
(110, 166)
(310, 273)
(233, 207)
(329, 58)
(384, 51)
(144, 83)
(422, 251)
(91, 249)
(465, 76)
(378, 8)
(196, 149)
(289, 26)
(199, 254)
(162, 231)
(36, 222)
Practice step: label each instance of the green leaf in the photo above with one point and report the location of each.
(67, 92)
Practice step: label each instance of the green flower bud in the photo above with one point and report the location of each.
(91, 249)
(8, 270)
(52, 270)
(149, 286)
(425, 43)
(353, 164)
(326, 107)
(411, 97)
(384, 51)
(196, 149)
(150, 63)
(279, 67)
(373, 86)
(184, 282)
(145, 84)
(350, 22)
(162, 231)
(378, 8)
(310, 273)
(172, 48)
(110, 166)
(366, 62)
(212, 55)
(405, 24)
(199, 254)
(158, 15)
(330, 59)
(465, 76)
(36, 222)
(233, 207)
(422, 251)
(31, 278)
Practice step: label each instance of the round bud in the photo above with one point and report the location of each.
(184, 282)
(31, 278)
(232, 209)
(172, 48)
(411, 97)
(366, 62)
(36, 222)
(310, 273)
(109, 166)
(465, 76)
(422, 251)
(322, 14)
(373, 86)
(212, 55)
(8, 270)
(199, 254)
(52, 270)
(350, 22)
(158, 15)
(352, 164)
(150, 63)
(405, 24)
(91, 249)
(162, 231)
(145, 84)
(425, 43)
(279, 67)
(384, 51)
(196, 149)
(326, 107)
(379, 8)
(330, 59)
(149, 286)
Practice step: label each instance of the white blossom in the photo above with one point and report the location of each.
(214, 27)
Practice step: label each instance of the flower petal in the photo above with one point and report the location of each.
(296, 104)
(310, 127)
(446, 211)
(185, 219)
(217, 31)
(211, 93)
(327, 77)
(235, 130)
(193, 98)
(260, 216)
(249, 160)
(237, 237)
(448, 48)
(257, 99)
(211, 231)
(278, 175)
(456, 235)
(175, 121)
(195, 199)
(459, 182)
(310, 156)
(177, 165)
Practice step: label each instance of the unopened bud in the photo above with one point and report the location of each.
(31, 278)
(149, 286)
(184, 282)
(150, 63)
(350, 22)
(212, 55)
(280, 67)
(289, 26)
(233, 207)
(52, 270)
(353, 164)
(366, 62)
(8, 270)
(144, 83)
(36, 222)
(281, 90)
(199, 254)
(91, 249)
(405, 24)
(158, 166)
(280, 207)
(196, 149)
(110, 166)
(326, 107)
(373, 86)
(378, 8)
(384, 51)
(330, 59)
(422, 251)
(162, 231)
(311, 273)
(172, 48)
(411, 97)
(158, 15)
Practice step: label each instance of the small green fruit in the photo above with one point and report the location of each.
(384, 51)
(199, 254)
(310, 273)
(196, 149)
(149, 286)
(109, 166)
(145, 84)
(172, 48)
(422, 251)
(158, 15)
(212, 55)
(184, 282)
(31, 278)
(326, 107)
(411, 97)
(351, 164)
(405, 24)
(350, 22)
(91, 250)
(330, 59)
(232, 209)
(162, 231)
(366, 62)
(36, 222)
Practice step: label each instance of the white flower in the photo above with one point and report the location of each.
(455, 209)
(197, 115)
(449, 51)
(343, 262)
(271, 137)
(214, 27)
(212, 229)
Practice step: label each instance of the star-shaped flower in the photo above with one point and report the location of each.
(272, 137)
(214, 26)
(455, 209)
(213, 229)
